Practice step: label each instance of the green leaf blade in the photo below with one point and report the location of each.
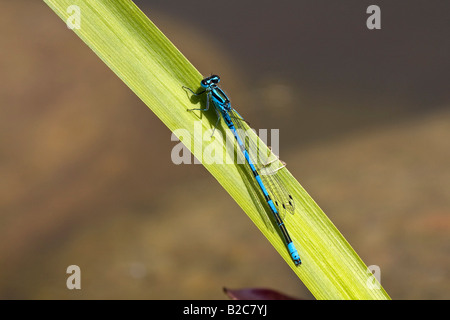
(153, 68)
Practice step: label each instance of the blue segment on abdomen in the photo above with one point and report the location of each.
(272, 206)
(293, 251)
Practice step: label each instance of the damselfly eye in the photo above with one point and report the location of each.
(204, 83)
(215, 79)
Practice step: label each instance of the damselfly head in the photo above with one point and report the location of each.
(209, 80)
(214, 78)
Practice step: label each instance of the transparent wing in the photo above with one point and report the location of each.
(281, 197)
(267, 164)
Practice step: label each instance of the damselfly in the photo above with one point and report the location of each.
(275, 194)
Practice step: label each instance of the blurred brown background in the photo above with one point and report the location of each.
(85, 170)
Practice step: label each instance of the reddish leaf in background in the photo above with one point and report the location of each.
(256, 294)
